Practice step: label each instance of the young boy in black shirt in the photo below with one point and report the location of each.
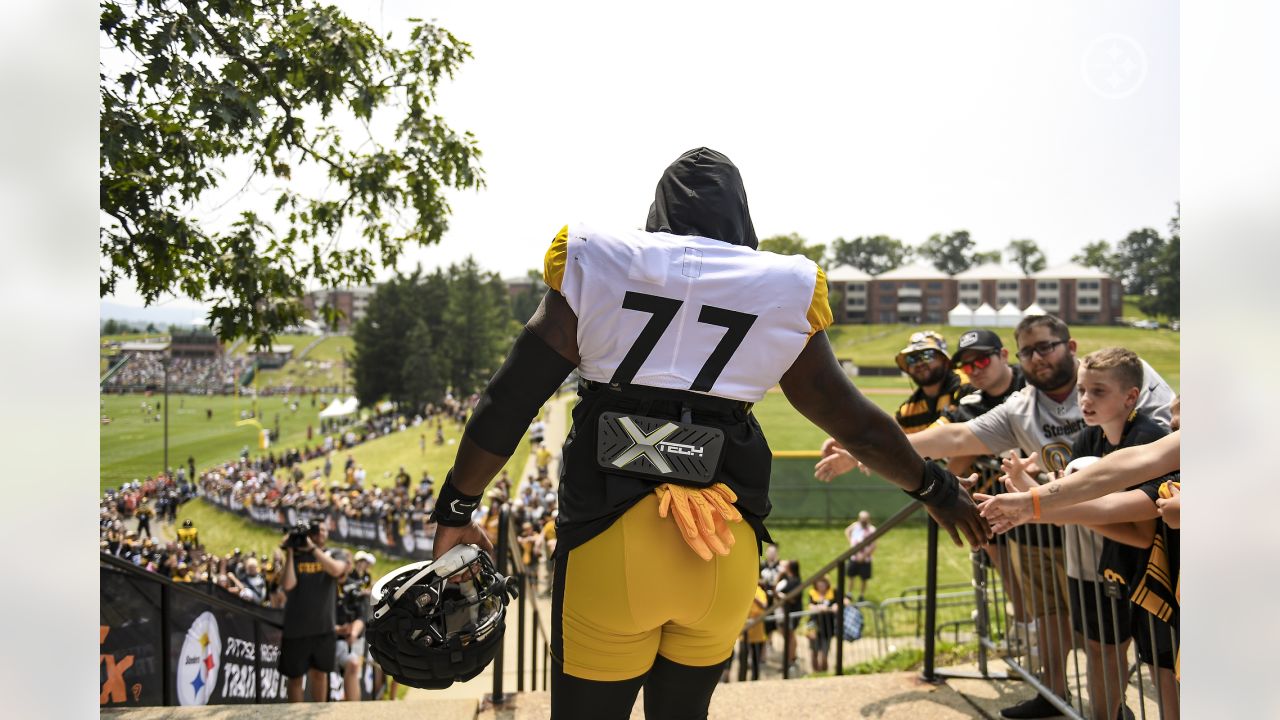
(1108, 386)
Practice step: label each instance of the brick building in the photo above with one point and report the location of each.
(353, 303)
(920, 293)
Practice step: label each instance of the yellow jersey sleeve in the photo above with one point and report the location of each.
(553, 263)
(819, 314)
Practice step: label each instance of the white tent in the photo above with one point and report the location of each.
(1034, 309)
(984, 316)
(960, 316)
(1008, 316)
(339, 408)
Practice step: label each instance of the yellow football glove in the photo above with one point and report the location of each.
(701, 515)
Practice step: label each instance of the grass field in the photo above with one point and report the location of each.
(898, 563)
(132, 445)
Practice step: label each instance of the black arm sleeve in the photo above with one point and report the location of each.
(515, 394)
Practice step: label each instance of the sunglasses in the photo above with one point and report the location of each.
(977, 364)
(922, 356)
(1041, 348)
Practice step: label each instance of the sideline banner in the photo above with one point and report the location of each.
(129, 635)
(217, 655)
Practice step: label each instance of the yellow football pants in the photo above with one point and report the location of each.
(637, 590)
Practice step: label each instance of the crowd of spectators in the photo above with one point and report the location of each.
(145, 370)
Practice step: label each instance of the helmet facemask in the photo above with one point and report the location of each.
(440, 621)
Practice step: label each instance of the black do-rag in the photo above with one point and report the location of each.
(701, 193)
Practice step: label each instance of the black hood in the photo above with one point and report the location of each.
(701, 194)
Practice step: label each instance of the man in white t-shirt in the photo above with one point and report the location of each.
(859, 564)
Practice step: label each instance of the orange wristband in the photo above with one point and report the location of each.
(1035, 503)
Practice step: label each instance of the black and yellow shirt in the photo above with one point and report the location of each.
(920, 411)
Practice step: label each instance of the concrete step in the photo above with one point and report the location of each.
(890, 696)
(442, 709)
(887, 696)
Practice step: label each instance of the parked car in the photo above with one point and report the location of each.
(1146, 324)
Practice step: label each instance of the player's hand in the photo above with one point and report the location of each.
(838, 462)
(702, 514)
(1007, 511)
(959, 517)
(1169, 504)
(1017, 471)
(447, 537)
(829, 446)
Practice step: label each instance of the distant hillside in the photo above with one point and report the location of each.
(163, 316)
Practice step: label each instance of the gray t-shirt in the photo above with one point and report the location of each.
(1031, 421)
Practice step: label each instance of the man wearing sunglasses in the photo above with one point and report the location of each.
(938, 387)
(1043, 419)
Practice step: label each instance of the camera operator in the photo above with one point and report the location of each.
(353, 613)
(310, 580)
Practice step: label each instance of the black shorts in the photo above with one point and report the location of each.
(1148, 631)
(310, 652)
(854, 568)
(1096, 615)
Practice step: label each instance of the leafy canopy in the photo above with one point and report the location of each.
(951, 253)
(793, 244)
(204, 86)
(873, 255)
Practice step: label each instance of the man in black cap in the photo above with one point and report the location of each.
(983, 358)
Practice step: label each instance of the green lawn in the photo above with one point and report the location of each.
(311, 370)
(297, 341)
(332, 348)
(787, 429)
(132, 445)
(383, 457)
(898, 563)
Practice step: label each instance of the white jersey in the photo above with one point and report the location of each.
(683, 312)
(1031, 421)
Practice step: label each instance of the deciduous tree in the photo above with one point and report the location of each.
(951, 253)
(793, 244)
(193, 90)
(873, 255)
(1026, 254)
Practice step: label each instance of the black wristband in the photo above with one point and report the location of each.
(453, 509)
(937, 486)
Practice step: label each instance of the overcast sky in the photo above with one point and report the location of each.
(1056, 121)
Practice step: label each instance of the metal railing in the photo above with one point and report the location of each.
(1081, 678)
(511, 563)
(779, 604)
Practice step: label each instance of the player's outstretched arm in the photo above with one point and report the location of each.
(817, 386)
(544, 354)
(1113, 473)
